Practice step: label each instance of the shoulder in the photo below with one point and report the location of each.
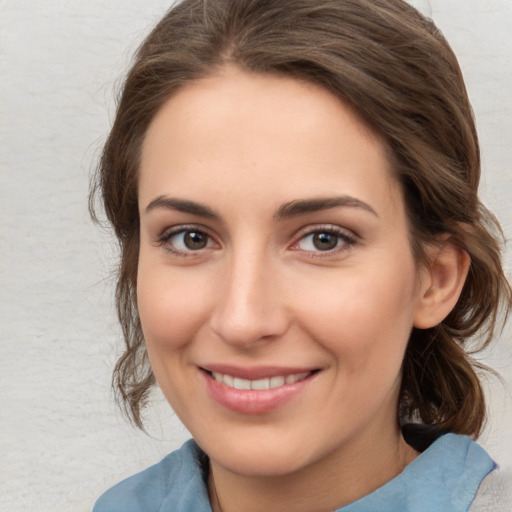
(494, 493)
(456, 465)
(175, 483)
(446, 476)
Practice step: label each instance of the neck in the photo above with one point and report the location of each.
(361, 466)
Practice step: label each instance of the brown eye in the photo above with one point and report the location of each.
(183, 241)
(331, 239)
(325, 241)
(195, 240)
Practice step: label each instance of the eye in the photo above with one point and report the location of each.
(186, 240)
(325, 240)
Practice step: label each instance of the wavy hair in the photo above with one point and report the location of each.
(396, 70)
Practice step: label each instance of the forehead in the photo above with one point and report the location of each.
(240, 134)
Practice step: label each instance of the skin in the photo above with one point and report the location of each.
(260, 293)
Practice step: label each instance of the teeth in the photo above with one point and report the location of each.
(259, 384)
(275, 382)
(291, 379)
(241, 383)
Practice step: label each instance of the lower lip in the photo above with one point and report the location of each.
(253, 401)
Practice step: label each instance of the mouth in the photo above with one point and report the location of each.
(256, 390)
(260, 384)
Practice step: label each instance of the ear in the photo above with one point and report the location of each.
(441, 283)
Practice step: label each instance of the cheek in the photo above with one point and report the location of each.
(364, 319)
(171, 307)
(172, 311)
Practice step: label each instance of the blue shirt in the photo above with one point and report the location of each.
(444, 478)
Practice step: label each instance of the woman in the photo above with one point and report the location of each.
(303, 259)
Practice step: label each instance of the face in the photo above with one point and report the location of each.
(276, 284)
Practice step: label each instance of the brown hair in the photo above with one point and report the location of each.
(397, 71)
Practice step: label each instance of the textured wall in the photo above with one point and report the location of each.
(61, 439)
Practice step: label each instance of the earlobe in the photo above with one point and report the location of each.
(441, 284)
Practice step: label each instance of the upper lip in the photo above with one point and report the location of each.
(255, 372)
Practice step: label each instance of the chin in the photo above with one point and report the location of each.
(259, 455)
(260, 463)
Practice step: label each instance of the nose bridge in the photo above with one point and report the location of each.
(248, 309)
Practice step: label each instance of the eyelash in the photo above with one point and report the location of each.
(344, 241)
(165, 238)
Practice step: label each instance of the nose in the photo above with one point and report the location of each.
(250, 308)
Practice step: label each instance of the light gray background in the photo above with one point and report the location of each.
(62, 441)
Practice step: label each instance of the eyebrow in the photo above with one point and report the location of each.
(301, 207)
(291, 209)
(181, 205)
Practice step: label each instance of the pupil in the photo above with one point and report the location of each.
(195, 240)
(325, 241)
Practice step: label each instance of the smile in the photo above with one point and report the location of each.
(259, 384)
(256, 390)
